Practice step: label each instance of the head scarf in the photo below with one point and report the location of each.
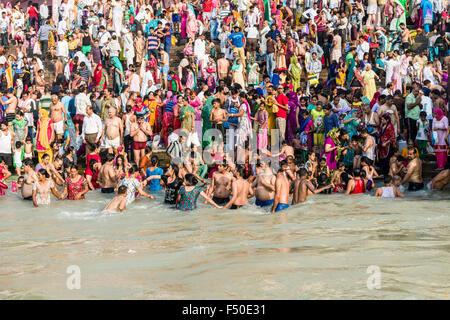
(296, 69)
(235, 64)
(333, 135)
(439, 113)
(43, 129)
(98, 74)
(375, 98)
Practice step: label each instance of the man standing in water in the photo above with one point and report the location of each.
(281, 200)
(240, 189)
(220, 185)
(112, 130)
(264, 185)
(439, 182)
(107, 175)
(302, 186)
(58, 114)
(413, 172)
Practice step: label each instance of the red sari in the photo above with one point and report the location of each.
(387, 134)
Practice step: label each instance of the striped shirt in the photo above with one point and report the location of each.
(153, 42)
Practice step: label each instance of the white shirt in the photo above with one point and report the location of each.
(62, 27)
(62, 49)
(92, 124)
(310, 13)
(252, 32)
(4, 24)
(427, 104)
(103, 38)
(362, 49)
(81, 103)
(43, 11)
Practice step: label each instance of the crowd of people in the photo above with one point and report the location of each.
(263, 98)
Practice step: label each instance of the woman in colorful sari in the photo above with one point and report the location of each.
(351, 123)
(295, 71)
(196, 103)
(340, 75)
(168, 117)
(191, 83)
(427, 14)
(440, 127)
(100, 78)
(291, 123)
(118, 74)
(253, 72)
(237, 73)
(386, 142)
(191, 26)
(211, 74)
(45, 135)
(306, 134)
(332, 149)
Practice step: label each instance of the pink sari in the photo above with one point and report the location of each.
(191, 27)
(184, 16)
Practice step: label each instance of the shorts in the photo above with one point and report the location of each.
(405, 45)
(221, 201)
(176, 17)
(281, 206)
(165, 70)
(234, 207)
(78, 119)
(115, 143)
(414, 186)
(59, 127)
(220, 127)
(10, 117)
(192, 139)
(139, 145)
(264, 203)
(28, 198)
(107, 190)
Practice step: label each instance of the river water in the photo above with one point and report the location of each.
(317, 250)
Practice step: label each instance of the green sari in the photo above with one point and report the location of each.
(206, 113)
(296, 72)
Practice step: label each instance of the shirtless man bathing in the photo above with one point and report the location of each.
(264, 186)
(413, 172)
(282, 183)
(240, 189)
(58, 114)
(107, 176)
(302, 187)
(112, 131)
(139, 131)
(119, 202)
(221, 185)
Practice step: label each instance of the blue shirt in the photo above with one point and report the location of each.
(330, 122)
(273, 34)
(236, 39)
(154, 184)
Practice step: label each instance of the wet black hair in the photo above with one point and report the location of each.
(122, 190)
(191, 179)
(154, 160)
(387, 179)
(44, 173)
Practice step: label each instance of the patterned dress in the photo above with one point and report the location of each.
(74, 188)
(188, 200)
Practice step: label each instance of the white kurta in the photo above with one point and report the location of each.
(129, 48)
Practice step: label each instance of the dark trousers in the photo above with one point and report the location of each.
(412, 128)
(44, 46)
(4, 39)
(154, 52)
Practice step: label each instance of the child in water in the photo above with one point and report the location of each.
(18, 158)
(337, 179)
(367, 167)
(119, 202)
